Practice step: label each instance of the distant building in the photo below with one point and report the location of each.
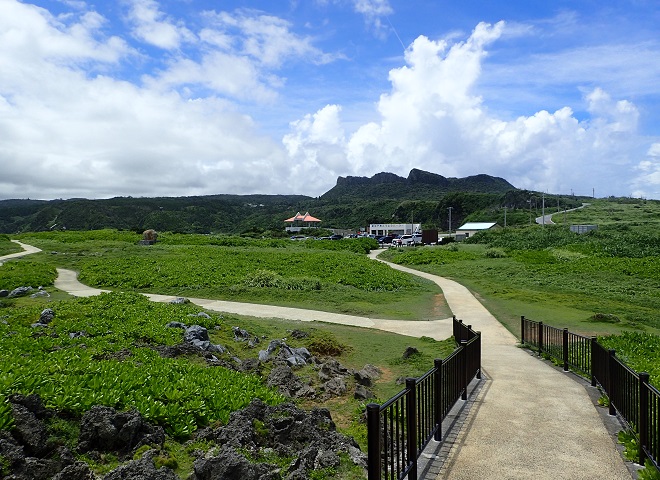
(583, 228)
(299, 222)
(468, 229)
(382, 229)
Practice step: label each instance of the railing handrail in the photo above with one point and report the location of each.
(642, 402)
(410, 421)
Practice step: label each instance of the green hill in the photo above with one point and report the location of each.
(353, 203)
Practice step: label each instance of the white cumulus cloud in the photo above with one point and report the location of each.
(152, 26)
(434, 118)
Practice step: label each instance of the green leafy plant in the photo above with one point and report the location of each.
(630, 445)
(649, 472)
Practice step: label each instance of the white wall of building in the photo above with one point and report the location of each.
(380, 229)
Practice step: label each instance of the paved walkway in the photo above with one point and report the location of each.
(27, 250)
(528, 420)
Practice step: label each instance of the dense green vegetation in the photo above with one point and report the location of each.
(7, 246)
(559, 277)
(327, 275)
(26, 273)
(102, 350)
(640, 351)
(603, 283)
(354, 203)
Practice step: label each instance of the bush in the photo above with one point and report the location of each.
(494, 253)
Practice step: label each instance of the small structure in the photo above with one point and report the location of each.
(299, 222)
(468, 229)
(583, 228)
(383, 229)
(149, 237)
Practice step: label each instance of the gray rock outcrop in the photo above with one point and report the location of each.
(105, 429)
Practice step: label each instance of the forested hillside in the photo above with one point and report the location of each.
(353, 203)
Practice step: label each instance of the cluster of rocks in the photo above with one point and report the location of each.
(310, 438)
(333, 378)
(197, 337)
(259, 431)
(22, 291)
(31, 453)
(45, 318)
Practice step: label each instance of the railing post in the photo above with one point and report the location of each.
(540, 338)
(373, 442)
(565, 349)
(437, 404)
(522, 329)
(465, 369)
(643, 415)
(411, 426)
(593, 361)
(479, 356)
(611, 383)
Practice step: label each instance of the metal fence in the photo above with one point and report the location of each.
(629, 393)
(399, 429)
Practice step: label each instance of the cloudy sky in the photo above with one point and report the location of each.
(195, 97)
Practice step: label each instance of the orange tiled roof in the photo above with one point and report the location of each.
(302, 218)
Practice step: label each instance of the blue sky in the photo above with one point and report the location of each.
(186, 97)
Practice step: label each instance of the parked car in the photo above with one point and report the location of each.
(409, 240)
(386, 240)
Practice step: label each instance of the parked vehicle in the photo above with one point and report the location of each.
(409, 240)
(386, 240)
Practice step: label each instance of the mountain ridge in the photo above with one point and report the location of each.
(351, 204)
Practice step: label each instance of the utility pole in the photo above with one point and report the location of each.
(543, 210)
(450, 220)
(505, 216)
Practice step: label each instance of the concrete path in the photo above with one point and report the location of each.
(439, 329)
(529, 420)
(27, 250)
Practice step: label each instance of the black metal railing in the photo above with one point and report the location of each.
(629, 393)
(399, 429)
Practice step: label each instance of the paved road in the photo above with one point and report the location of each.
(530, 420)
(547, 219)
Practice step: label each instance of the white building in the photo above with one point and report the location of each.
(468, 229)
(382, 229)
